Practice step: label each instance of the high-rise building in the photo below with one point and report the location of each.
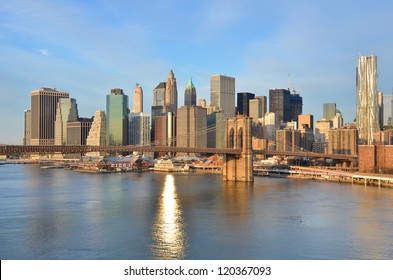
(78, 131)
(270, 122)
(306, 121)
(329, 110)
(171, 93)
(139, 129)
(322, 128)
(280, 104)
(255, 110)
(264, 104)
(296, 102)
(367, 114)
(388, 110)
(216, 130)
(287, 140)
(343, 141)
(159, 94)
(202, 103)
(222, 93)
(380, 109)
(191, 127)
(43, 115)
(243, 99)
(97, 133)
(165, 130)
(337, 121)
(190, 94)
(67, 111)
(116, 118)
(138, 99)
(27, 132)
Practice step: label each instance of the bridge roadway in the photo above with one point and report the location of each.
(20, 149)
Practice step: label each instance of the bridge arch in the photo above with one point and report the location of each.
(238, 136)
(231, 139)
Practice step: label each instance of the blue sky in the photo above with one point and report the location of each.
(88, 47)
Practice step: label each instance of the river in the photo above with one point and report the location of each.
(62, 214)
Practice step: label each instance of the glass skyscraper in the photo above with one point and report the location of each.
(367, 111)
(116, 117)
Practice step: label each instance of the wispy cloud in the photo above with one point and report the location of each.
(44, 52)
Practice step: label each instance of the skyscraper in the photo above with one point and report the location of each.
(264, 103)
(67, 111)
(367, 113)
(43, 115)
(306, 121)
(78, 131)
(171, 93)
(97, 133)
(280, 103)
(329, 110)
(138, 99)
(27, 134)
(255, 109)
(116, 117)
(139, 129)
(388, 110)
(380, 109)
(191, 127)
(222, 93)
(296, 106)
(190, 94)
(243, 99)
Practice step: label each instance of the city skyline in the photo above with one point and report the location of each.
(89, 48)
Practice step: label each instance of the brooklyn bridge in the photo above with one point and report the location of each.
(238, 152)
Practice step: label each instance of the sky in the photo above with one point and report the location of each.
(88, 47)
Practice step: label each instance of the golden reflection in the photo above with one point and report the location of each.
(169, 240)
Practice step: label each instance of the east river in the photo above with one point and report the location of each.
(62, 214)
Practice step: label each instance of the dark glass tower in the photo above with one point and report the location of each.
(280, 104)
(243, 99)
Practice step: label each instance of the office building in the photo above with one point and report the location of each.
(67, 111)
(271, 124)
(116, 118)
(159, 94)
(342, 141)
(243, 99)
(43, 115)
(306, 121)
(97, 133)
(380, 109)
(171, 93)
(264, 104)
(280, 104)
(78, 131)
(27, 132)
(139, 129)
(388, 110)
(296, 103)
(337, 121)
(255, 110)
(222, 93)
(216, 130)
(191, 126)
(165, 130)
(287, 140)
(367, 113)
(138, 99)
(190, 94)
(329, 110)
(322, 128)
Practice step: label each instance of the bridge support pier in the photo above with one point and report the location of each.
(238, 136)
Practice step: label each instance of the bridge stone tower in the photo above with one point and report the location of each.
(238, 136)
